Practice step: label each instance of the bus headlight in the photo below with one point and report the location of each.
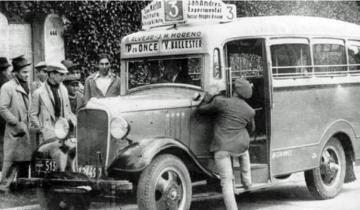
(119, 127)
(62, 128)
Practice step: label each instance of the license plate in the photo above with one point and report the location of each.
(45, 165)
(90, 170)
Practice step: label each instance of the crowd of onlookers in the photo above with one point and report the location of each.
(29, 111)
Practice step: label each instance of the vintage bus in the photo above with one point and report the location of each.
(306, 78)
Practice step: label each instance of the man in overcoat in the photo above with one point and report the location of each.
(4, 77)
(103, 83)
(50, 102)
(14, 106)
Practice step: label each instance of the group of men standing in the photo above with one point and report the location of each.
(34, 109)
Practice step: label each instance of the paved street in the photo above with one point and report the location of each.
(290, 194)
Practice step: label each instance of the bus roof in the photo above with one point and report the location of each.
(260, 26)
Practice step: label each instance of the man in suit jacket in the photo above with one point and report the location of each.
(50, 102)
(41, 76)
(14, 104)
(103, 83)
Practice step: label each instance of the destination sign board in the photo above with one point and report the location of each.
(166, 12)
(165, 42)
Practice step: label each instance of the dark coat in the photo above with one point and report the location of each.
(14, 106)
(91, 89)
(232, 115)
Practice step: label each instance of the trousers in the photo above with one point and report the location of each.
(10, 170)
(224, 167)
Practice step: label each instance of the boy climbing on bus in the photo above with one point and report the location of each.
(231, 137)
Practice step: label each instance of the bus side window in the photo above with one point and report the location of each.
(354, 57)
(245, 57)
(329, 57)
(290, 60)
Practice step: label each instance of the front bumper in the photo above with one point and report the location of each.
(79, 185)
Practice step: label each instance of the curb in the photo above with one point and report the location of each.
(29, 207)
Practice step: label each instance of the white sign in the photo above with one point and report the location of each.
(54, 42)
(4, 38)
(176, 45)
(139, 48)
(210, 10)
(153, 14)
(165, 12)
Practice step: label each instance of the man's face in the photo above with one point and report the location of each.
(23, 74)
(104, 66)
(76, 74)
(42, 75)
(72, 87)
(57, 77)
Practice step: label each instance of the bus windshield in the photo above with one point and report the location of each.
(183, 70)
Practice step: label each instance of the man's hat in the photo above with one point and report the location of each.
(71, 78)
(40, 65)
(58, 67)
(69, 64)
(4, 62)
(19, 62)
(243, 88)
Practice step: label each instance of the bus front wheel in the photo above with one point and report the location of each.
(165, 184)
(326, 181)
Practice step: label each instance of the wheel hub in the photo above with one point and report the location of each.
(173, 194)
(329, 167)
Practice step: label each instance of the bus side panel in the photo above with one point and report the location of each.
(300, 118)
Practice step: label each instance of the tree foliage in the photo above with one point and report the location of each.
(98, 26)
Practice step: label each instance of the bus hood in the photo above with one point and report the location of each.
(121, 104)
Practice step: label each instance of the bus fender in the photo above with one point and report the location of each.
(138, 155)
(343, 130)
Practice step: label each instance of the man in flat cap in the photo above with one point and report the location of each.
(14, 106)
(4, 77)
(51, 102)
(72, 83)
(41, 75)
(233, 117)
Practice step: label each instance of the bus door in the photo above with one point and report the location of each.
(246, 58)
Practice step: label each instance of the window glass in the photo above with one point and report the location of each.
(354, 57)
(245, 57)
(329, 59)
(216, 64)
(290, 60)
(155, 71)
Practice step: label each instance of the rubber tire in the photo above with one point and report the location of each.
(146, 185)
(49, 200)
(314, 183)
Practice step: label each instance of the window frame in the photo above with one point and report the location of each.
(290, 40)
(335, 41)
(149, 86)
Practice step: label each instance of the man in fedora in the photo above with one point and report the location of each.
(51, 102)
(4, 77)
(14, 106)
(41, 75)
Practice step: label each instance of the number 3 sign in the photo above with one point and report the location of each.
(174, 10)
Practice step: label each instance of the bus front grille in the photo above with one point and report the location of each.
(92, 134)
